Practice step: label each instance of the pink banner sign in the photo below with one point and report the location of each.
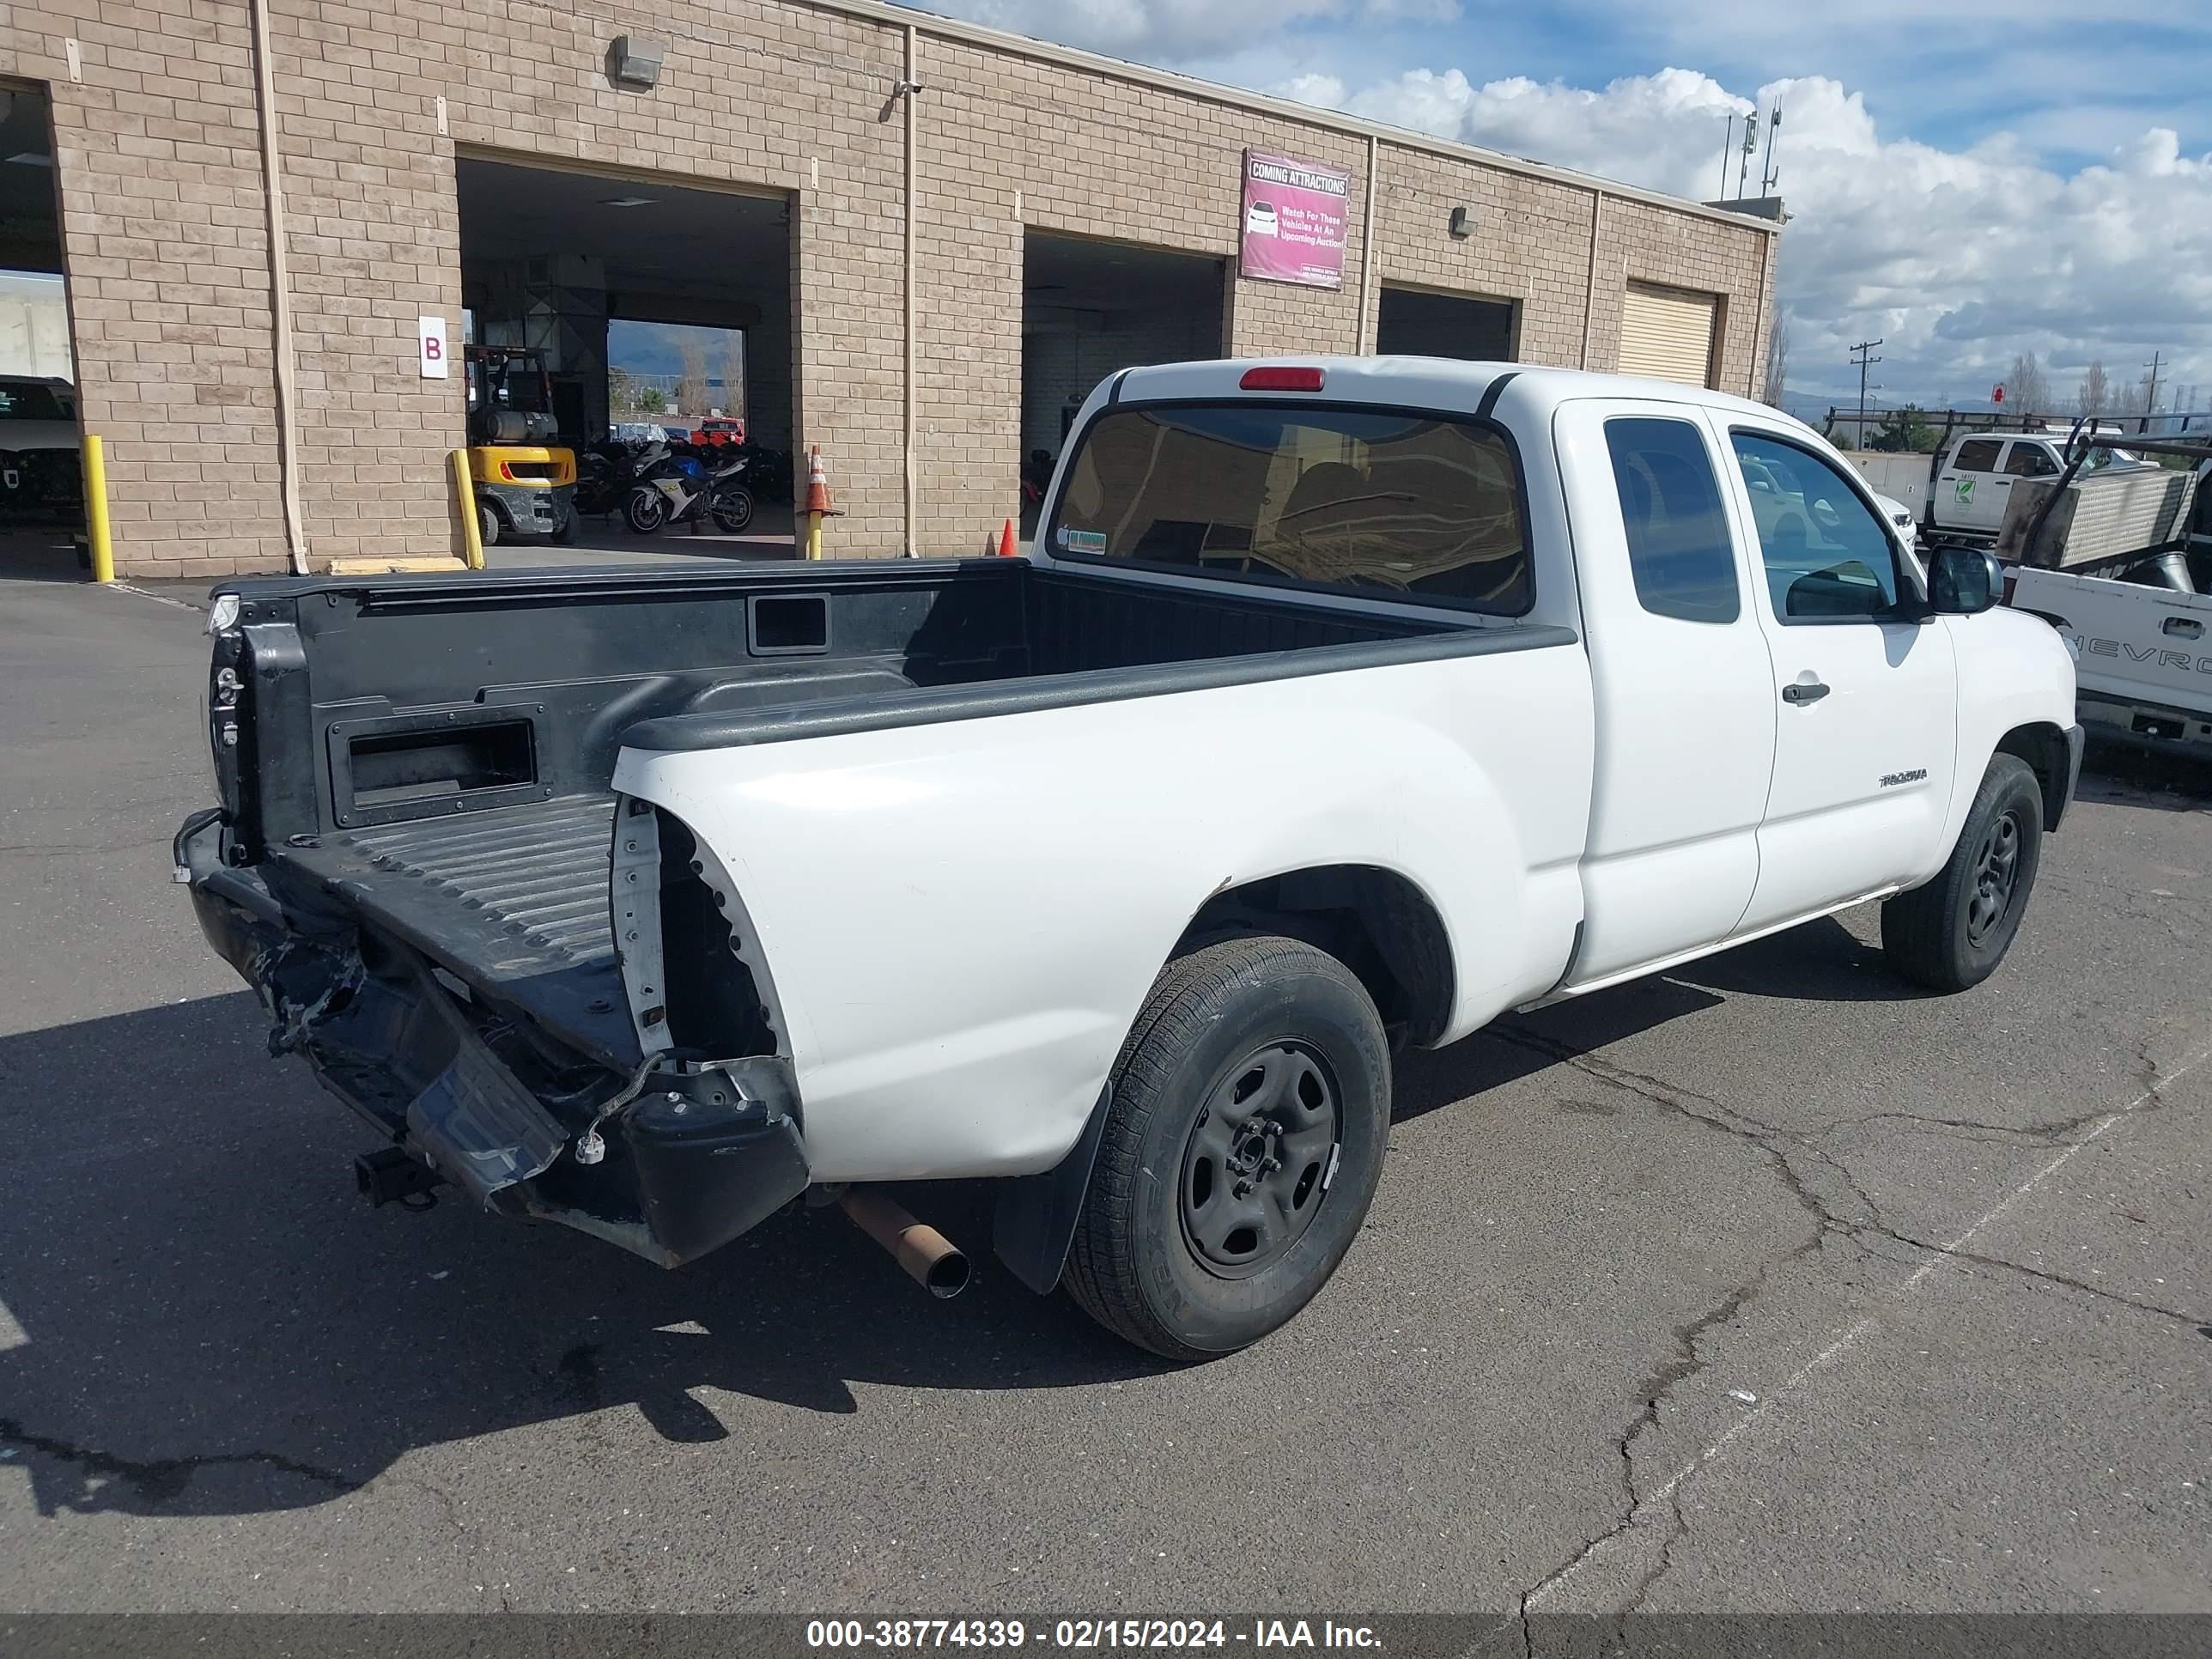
(1294, 221)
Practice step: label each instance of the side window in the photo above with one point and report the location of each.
(1679, 551)
(2030, 461)
(1828, 557)
(1978, 455)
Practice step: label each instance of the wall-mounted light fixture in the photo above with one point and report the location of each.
(1462, 224)
(634, 60)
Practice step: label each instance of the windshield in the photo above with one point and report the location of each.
(1399, 504)
(30, 402)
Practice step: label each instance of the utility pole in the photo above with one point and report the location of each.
(1862, 355)
(1767, 175)
(1728, 149)
(2150, 388)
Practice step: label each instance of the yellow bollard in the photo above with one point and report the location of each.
(466, 491)
(818, 505)
(98, 534)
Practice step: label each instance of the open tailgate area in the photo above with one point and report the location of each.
(514, 902)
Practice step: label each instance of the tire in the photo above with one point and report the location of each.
(1164, 1255)
(646, 510)
(564, 532)
(1951, 934)
(734, 510)
(487, 526)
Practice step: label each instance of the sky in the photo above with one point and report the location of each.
(1965, 184)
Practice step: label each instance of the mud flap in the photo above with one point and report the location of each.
(1033, 1221)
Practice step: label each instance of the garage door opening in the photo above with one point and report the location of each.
(41, 474)
(1090, 308)
(607, 315)
(1414, 322)
(1667, 333)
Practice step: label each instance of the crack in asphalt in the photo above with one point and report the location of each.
(163, 1479)
(1685, 1362)
(2046, 1276)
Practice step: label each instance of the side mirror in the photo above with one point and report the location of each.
(1964, 581)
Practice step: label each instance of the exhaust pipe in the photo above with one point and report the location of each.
(930, 1259)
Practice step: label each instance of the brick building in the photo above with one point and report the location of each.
(434, 157)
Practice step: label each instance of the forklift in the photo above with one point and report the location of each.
(525, 482)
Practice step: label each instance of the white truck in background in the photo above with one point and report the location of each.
(1975, 475)
(1343, 703)
(2140, 620)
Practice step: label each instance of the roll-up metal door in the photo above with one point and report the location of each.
(1667, 333)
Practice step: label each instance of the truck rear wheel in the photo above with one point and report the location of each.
(1951, 934)
(1250, 1109)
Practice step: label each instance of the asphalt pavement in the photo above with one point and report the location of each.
(1770, 1284)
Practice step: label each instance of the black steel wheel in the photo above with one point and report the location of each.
(1996, 877)
(1242, 1146)
(1951, 934)
(1255, 1173)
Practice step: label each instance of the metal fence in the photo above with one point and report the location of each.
(1847, 429)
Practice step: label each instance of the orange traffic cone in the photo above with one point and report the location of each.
(817, 484)
(818, 501)
(1006, 541)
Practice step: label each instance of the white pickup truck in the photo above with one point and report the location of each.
(2139, 621)
(1975, 477)
(1342, 703)
(2145, 653)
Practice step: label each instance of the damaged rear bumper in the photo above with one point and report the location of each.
(684, 1154)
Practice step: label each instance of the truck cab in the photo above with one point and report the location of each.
(1975, 477)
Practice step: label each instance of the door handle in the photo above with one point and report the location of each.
(1804, 691)
(2187, 627)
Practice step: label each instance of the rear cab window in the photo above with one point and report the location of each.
(1977, 455)
(1679, 552)
(1384, 503)
(30, 402)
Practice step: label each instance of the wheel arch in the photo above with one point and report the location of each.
(2042, 744)
(1378, 922)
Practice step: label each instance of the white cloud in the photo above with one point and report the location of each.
(1956, 259)
(1166, 30)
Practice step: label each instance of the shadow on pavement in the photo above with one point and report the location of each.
(2114, 775)
(1819, 962)
(216, 1324)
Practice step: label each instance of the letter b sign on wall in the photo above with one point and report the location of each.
(430, 333)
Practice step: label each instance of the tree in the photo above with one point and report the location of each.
(2026, 389)
(2095, 391)
(1777, 355)
(1906, 431)
(733, 374)
(692, 384)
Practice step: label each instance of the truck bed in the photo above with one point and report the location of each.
(434, 757)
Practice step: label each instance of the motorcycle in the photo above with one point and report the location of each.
(681, 489)
(606, 473)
